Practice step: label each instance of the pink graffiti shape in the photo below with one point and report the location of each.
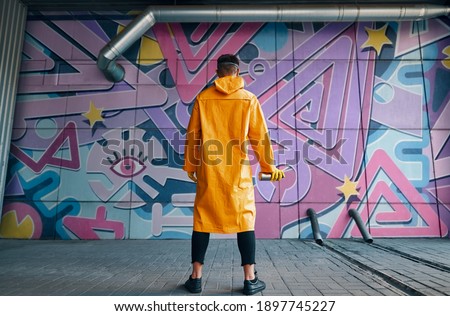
(382, 161)
(401, 213)
(69, 133)
(84, 228)
(189, 69)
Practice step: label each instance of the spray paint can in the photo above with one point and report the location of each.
(264, 176)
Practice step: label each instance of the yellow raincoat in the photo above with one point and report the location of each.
(225, 120)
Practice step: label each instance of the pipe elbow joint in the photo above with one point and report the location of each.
(111, 69)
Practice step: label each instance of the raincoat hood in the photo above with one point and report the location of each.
(229, 84)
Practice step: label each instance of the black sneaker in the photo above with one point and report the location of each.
(253, 286)
(193, 285)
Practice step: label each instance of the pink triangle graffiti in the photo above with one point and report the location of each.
(392, 223)
(400, 213)
(192, 71)
(194, 60)
(69, 133)
(84, 228)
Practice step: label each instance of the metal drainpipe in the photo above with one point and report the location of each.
(250, 13)
(359, 223)
(315, 226)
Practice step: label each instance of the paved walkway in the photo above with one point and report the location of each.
(289, 267)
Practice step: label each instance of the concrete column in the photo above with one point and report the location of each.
(13, 15)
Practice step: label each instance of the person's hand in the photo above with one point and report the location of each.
(192, 176)
(277, 175)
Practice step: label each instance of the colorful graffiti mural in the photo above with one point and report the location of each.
(358, 114)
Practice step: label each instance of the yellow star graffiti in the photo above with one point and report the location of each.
(348, 188)
(94, 114)
(446, 61)
(376, 38)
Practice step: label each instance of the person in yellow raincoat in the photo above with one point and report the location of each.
(225, 120)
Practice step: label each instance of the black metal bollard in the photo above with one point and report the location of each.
(362, 228)
(315, 226)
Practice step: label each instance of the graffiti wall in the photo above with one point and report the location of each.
(358, 116)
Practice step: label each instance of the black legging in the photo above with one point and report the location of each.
(245, 240)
